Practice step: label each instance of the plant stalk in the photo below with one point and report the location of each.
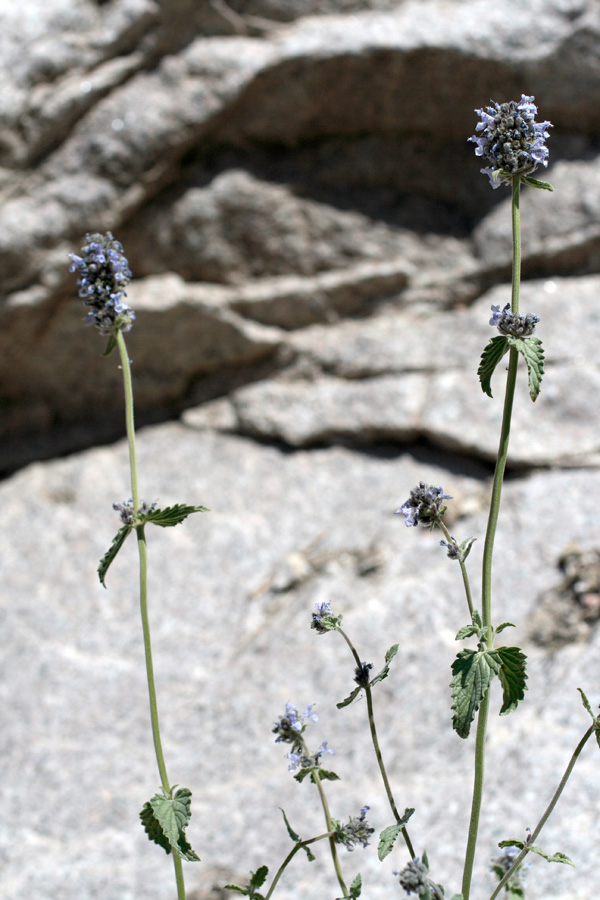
(143, 558)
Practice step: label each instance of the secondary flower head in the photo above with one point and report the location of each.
(356, 831)
(291, 724)
(103, 275)
(414, 878)
(303, 760)
(424, 506)
(507, 323)
(509, 138)
(127, 512)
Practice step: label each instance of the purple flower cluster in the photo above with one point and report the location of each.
(510, 139)
(424, 506)
(302, 760)
(103, 275)
(127, 512)
(289, 726)
(356, 831)
(508, 323)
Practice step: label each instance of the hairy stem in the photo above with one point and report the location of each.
(376, 747)
(330, 828)
(463, 569)
(488, 549)
(143, 558)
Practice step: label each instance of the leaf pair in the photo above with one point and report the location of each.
(165, 518)
(530, 349)
(472, 674)
(379, 677)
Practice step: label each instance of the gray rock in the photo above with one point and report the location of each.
(231, 596)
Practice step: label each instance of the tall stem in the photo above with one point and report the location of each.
(329, 826)
(488, 549)
(143, 558)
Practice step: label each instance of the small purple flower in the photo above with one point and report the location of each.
(302, 760)
(424, 506)
(104, 273)
(510, 139)
(414, 878)
(508, 323)
(290, 725)
(127, 511)
(322, 610)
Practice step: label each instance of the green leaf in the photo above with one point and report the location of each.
(171, 815)
(295, 837)
(456, 897)
(349, 698)
(110, 346)
(472, 672)
(512, 677)
(490, 358)
(152, 827)
(324, 775)
(356, 888)
(330, 623)
(465, 632)
(257, 879)
(586, 704)
(386, 669)
(504, 625)
(172, 515)
(555, 857)
(534, 183)
(389, 835)
(465, 547)
(118, 541)
(533, 353)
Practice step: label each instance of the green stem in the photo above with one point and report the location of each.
(290, 857)
(376, 747)
(463, 569)
(329, 825)
(143, 558)
(548, 811)
(477, 794)
(488, 549)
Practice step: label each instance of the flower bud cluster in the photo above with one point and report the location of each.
(104, 273)
(127, 512)
(510, 139)
(414, 878)
(424, 506)
(304, 760)
(508, 323)
(356, 831)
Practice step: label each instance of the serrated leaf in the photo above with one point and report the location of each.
(117, 543)
(173, 816)
(533, 848)
(472, 672)
(349, 698)
(258, 878)
(171, 515)
(152, 827)
(491, 356)
(356, 888)
(533, 353)
(324, 775)
(389, 834)
(504, 625)
(386, 669)
(465, 632)
(512, 677)
(235, 887)
(476, 617)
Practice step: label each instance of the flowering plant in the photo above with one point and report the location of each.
(513, 144)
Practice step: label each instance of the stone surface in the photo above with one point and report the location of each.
(231, 595)
(246, 144)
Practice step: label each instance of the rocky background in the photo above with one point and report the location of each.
(315, 256)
